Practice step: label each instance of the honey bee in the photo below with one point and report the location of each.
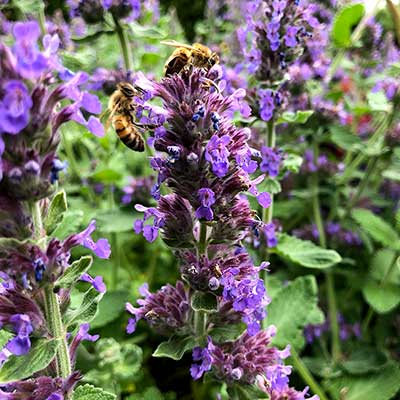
(121, 108)
(217, 270)
(198, 55)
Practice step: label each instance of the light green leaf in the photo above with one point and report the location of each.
(292, 162)
(110, 308)
(377, 228)
(392, 174)
(292, 308)
(345, 20)
(39, 357)
(89, 392)
(381, 262)
(56, 211)
(4, 337)
(205, 302)
(382, 385)
(116, 221)
(87, 310)
(175, 348)
(107, 176)
(74, 272)
(299, 117)
(381, 297)
(378, 101)
(69, 225)
(306, 253)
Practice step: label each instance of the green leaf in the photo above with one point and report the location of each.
(292, 308)
(175, 347)
(87, 310)
(74, 272)
(381, 262)
(110, 308)
(292, 162)
(299, 117)
(39, 357)
(306, 253)
(343, 138)
(345, 20)
(392, 174)
(4, 337)
(382, 385)
(377, 228)
(89, 392)
(247, 392)
(365, 360)
(69, 225)
(107, 176)
(56, 211)
(381, 297)
(378, 101)
(205, 302)
(227, 332)
(116, 221)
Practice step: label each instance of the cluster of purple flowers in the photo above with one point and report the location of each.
(31, 262)
(322, 163)
(206, 162)
(346, 330)
(334, 232)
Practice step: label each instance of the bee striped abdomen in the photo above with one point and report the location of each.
(128, 133)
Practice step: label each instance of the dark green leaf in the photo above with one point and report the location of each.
(306, 253)
(74, 272)
(345, 20)
(365, 360)
(206, 302)
(175, 348)
(39, 357)
(56, 211)
(343, 138)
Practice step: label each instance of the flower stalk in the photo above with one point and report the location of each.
(124, 44)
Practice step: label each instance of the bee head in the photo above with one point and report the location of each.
(214, 59)
(127, 89)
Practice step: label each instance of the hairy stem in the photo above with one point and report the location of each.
(303, 371)
(52, 307)
(203, 239)
(124, 44)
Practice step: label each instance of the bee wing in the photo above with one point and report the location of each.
(109, 118)
(174, 43)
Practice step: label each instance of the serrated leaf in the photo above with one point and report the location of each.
(74, 272)
(365, 360)
(381, 297)
(377, 228)
(306, 253)
(110, 308)
(382, 385)
(87, 309)
(344, 22)
(175, 347)
(39, 357)
(292, 308)
(56, 211)
(205, 302)
(89, 392)
(299, 117)
(5, 336)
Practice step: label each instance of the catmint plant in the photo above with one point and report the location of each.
(205, 163)
(41, 332)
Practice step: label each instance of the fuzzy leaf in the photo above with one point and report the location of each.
(89, 392)
(377, 228)
(69, 225)
(39, 357)
(87, 309)
(381, 297)
(74, 272)
(306, 253)
(345, 20)
(365, 360)
(110, 308)
(292, 308)
(56, 211)
(205, 302)
(299, 117)
(175, 347)
(382, 385)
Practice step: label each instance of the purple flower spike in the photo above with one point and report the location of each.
(14, 107)
(217, 154)
(207, 199)
(96, 282)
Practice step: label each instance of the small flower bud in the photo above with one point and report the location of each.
(32, 167)
(213, 283)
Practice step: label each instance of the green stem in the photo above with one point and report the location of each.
(370, 312)
(42, 19)
(329, 278)
(303, 371)
(124, 45)
(69, 151)
(53, 318)
(52, 307)
(200, 324)
(203, 239)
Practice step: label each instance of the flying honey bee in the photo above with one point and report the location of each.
(198, 55)
(121, 107)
